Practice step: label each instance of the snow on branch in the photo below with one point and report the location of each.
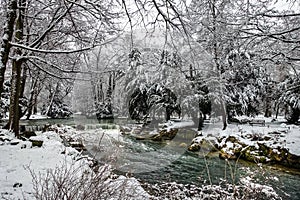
(52, 51)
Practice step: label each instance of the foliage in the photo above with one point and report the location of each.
(152, 97)
(58, 109)
(103, 110)
(245, 81)
(76, 182)
(290, 98)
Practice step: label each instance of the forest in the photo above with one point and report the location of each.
(154, 62)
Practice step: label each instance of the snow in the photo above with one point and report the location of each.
(15, 161)
(269, 191)
(181, 124)
(36, 116)
(280, 134)
(4, 38)
(19, 161)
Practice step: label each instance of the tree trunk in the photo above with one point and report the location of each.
(31, 98)
(109, 88)
(7, 37)
(52, 99)
(201, 121)
(224, 114)
(35, 102)
(23, 81)
(14, 109)
(268, 100)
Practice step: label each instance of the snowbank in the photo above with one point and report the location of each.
(23, 167)
(275, 143)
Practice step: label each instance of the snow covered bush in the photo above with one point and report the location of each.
(74, 183)
(57, 109)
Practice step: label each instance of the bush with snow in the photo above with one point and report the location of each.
(56, 110)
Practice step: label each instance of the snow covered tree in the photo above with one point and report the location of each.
(274, 35)
(245, 84)
(289, 98)
(55, 106)
(11, 15)
(153, 98)
(37, 28)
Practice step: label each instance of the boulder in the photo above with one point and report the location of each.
(36, 143)
(27, 134)
(164, 135)
(226, 155)
(204, 144)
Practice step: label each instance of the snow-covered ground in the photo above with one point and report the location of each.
(20, 162)
(33, 116)
(280, 135)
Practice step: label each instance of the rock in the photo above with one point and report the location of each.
(36, 143)
(49, 127)
(17, 185)
(164, 135)
(194, 147)
(14, 142)
(183, 145)
(244, 121)
(125, 130)
(231, 139)
(78, 146)
(267, 138)
(28, 134)
(227, 156)
(205, 144)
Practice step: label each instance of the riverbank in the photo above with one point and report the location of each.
(268, 144)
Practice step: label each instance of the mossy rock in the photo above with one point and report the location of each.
(226, 156)
(194, 147)
(248, 155)
(293, 160)
(264, 150)
(208, 144)
(205, 144)
(164, 135)
(231, 139)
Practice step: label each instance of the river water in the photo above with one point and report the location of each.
(157, 162)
